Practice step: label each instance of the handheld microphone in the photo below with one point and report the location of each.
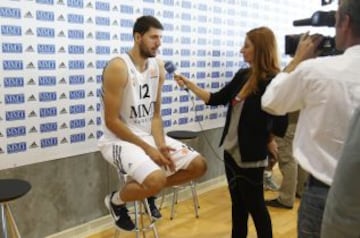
(171, 69)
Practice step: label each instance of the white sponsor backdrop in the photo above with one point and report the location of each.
(53, 52)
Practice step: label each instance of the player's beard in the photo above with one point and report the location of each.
(145, 52)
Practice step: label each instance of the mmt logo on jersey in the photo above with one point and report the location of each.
(47, 80)
(46, 64)
(45, 32)
(14, 98)
(45, 16)
(75, 18)
(13, 82)
(16, 147)
(10, 12)
(12, 48)
(10, 30)
(15, 115)
(13, 65)
(15, 131)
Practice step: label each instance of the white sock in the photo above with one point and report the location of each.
(267, 174)
(116, 200)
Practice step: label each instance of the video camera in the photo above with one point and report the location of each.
(319, 18)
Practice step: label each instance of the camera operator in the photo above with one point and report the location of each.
(327, 91)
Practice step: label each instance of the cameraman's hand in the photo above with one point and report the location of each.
(306, 49)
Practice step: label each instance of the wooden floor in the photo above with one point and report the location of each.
(214, 220)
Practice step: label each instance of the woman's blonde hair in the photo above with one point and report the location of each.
(265, 62)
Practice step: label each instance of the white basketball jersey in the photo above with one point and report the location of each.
(138, 100)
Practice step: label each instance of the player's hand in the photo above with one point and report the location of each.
(158, 157)
(273, 149)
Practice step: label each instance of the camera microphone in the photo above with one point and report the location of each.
(171, 69)
(319, 18)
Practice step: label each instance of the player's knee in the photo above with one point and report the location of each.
(155, 181)
(198, 166)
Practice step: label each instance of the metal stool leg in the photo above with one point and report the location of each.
(195, 199)
(3, 221)
(8, 222)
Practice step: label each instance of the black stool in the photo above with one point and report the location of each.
(141, 209)
(183, 135)
(10, 190)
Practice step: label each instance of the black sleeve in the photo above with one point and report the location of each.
(224, 95)
(279, 125)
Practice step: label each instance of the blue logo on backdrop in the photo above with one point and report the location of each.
(46, 64)
(199, 108)
(201, 85)
(103, 21)
(76, 64)
(199, 118)
(202, 30)
(168, 27)
(124, 49)
(75, 34)
(185, 40)
(126, 37)
(229, 53)
(168, 39)
(47, 80)
(126, 23)
(75, 18)
(45, 16)
(148, 11)
(167, 123)
(184, 109)
(186, 4)
(98, 92)
(10, 12)
(149, 1)
(13, 82)
(77, 94)
(167, 88)
(76, 109)
(202, 7)
(201, 41)
(169, 2)
(47, 96)
(216, 42)
(100, 64)
(10, 30)
(167, 51)
(217, 20)
(126, 9)
(201, 53)
(185, 16)
(216, 53)
(185, 64)
(12, 48)
(103, 6)
(213, 116)
(15, 131)
(14, 98)
(16, 147)
(102, 50)
(202, 18)
(215, 75)
(185, 28)
(76, 79)
(75, 3)
(215, 64)
(48, 127)
(168, 14)
(201, 64)
(46, 49)
(15, 115)
(229, 63)
(48, 142)
(184, 98)
(217, 31)
(215, 85)
(13, 65)
(183, 120)
(166, 112)
(166, 100)
(201, 75)
(48, 112)
(49, 2)
(229, 74)
(79, 123)
(77, 138)
(99, 134)
(98, 121)
(99, 78)
(102, 35)
(76, 49)
(45, 32)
